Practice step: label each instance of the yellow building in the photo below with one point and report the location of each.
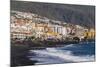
(90, 34)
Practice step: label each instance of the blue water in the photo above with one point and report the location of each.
(83, 52)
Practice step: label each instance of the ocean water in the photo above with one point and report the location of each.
(83, 52)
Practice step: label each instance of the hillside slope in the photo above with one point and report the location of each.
(82, 15)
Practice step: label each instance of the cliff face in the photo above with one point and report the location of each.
(75, 14)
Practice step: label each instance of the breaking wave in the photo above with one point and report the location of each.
(59, 55)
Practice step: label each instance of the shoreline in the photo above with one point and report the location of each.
(19, 53)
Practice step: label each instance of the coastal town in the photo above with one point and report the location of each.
(26, 25)
(51, 33)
